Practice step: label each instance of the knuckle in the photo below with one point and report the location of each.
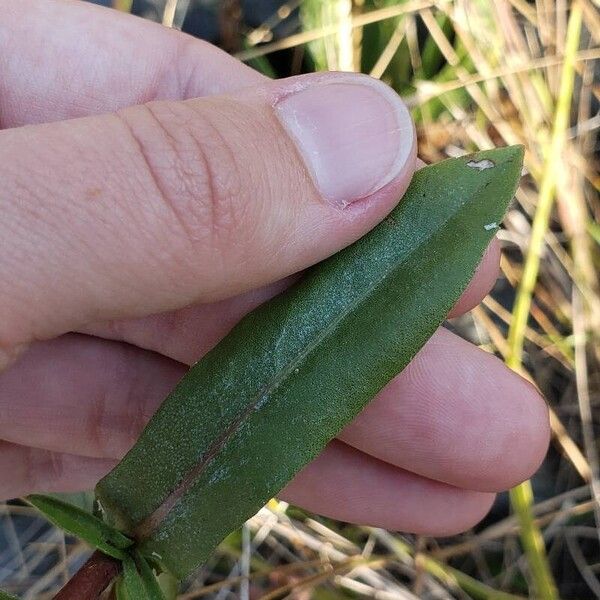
(42, 468)
(98, 426)
(192, 167)
(54, 467)
(15, 328)
(107, 423)
(138, 411)
(9, 353)
(120, 409)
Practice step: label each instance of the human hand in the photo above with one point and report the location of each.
(150, 229)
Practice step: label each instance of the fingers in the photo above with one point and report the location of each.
(83, 396)
(73, 59)
(167, 204)
(456, 414)
(187, 334)
(342, 484)
(350, 486)
(24, 470)
(483, 280)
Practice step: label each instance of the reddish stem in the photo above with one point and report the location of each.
(92, 579)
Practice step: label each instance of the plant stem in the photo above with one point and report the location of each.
(522, 495)
(521, 499)
(92, 579)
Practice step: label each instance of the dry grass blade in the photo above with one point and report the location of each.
(305, 37)
(390, 50)
(583, 396)
(169, 12)
(427, 90)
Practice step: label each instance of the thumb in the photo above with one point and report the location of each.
(157, 206)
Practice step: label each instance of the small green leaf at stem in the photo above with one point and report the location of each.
(138, 581)
(153, 590)
(77, 522)
(7, 596)
(132, 581)
(119, 589)
(270, 396)
(169, 585)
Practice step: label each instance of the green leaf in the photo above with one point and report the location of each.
(138, 581)
(82, 524)
(290, 375)
(82, 500)
(151, 585)
(133, 584)
(119, 588)
(7, 596)
(169, 585)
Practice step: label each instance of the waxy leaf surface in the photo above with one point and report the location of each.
(76, 521)
(151, 585)
(270, 396)
(133, 585)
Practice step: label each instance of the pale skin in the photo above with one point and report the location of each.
(133, 241)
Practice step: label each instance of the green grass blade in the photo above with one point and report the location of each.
(335, 51)
(261, 63)
(290, 375)
(521, 498)
(431, 56)
(594, 230)
(123, 5)
(522, 495)
(375, 38)
(315, 14)
(7, 596)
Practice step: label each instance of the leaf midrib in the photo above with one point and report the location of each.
(152, 522)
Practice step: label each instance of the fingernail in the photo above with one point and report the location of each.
(355, 137)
